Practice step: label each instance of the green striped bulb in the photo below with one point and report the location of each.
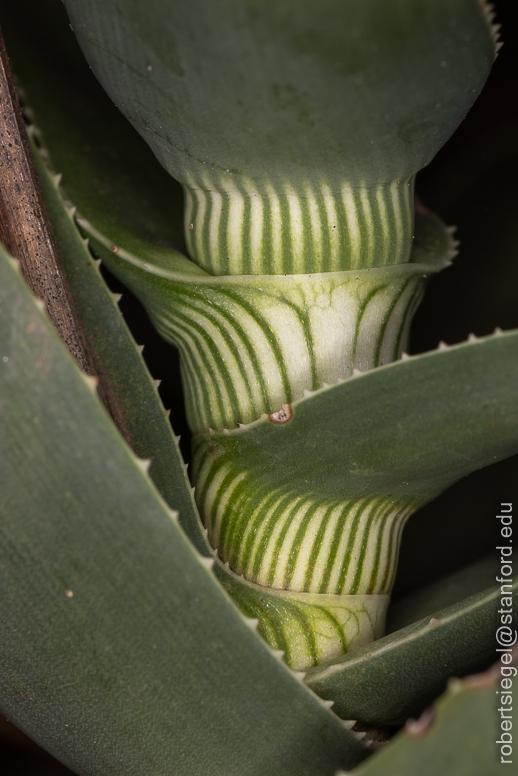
(296, 130)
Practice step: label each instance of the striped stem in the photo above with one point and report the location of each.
(290, 541)
(250, 228)
(309, 628)
(249, 347)
(317, 570)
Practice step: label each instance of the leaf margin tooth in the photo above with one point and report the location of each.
(143, 464)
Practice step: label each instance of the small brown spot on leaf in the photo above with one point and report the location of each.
(283, 415)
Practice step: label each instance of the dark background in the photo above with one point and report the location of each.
(472, 183)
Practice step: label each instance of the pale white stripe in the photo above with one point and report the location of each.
(283, 554)
(296, 230)
(212, 490)
(316, 247)
(354, 236)
(385, 225)
(202, 474)
(215, 219)
(370, 544)
(325, 548)
(256, 221)
(336, 246)
(190, 346)
(285, 325)
(220, 511)
(342, 550)
(199, 226)
(231, 365)
(275, 228)
(364, 546)
(395, 324)
(197, 349)
(386, 556)
(252, 526)
(367, 212)
(188, 215)
(235, 232)
(248, 388)
(304, 553)
(289, 514)
(397, 224)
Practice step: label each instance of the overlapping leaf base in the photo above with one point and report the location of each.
(283, 539)
(252, 343)
(309, 628)
(237, 226)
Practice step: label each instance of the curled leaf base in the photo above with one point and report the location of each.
(310, 628)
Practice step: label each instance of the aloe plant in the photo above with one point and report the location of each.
(296, 132)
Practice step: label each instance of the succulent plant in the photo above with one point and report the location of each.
(296, 130)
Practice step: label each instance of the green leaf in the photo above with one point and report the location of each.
(459, 737)
(131, 393)
(373, 87)
(409, 429)
(296, 130)
(120, 653)
(395, 678)
(101, 158)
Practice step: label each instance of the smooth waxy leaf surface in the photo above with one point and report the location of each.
(252, 89)
(296, 130)
(120, 653)
(131, 393)
(399, 675)
(457, 738)
(410, 429)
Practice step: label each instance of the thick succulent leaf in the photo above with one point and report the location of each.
(131, 394)
(101, 158)
(445, 592)
(457, 738)
(120, 653)
(408, 429)
(296, 130)
(397, 676)
(102, 162)
(250, 89)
